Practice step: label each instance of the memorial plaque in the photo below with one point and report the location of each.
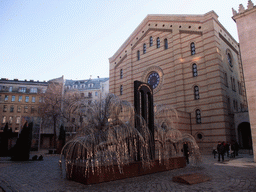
(191, 179)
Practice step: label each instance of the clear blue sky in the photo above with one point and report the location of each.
(45, 39)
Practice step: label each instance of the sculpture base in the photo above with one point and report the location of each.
(131, 170)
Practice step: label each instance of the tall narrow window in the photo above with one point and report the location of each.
(165, 43)
(4, 119)
(13, 98)
(121, 90)
(25, 109)
(33, 99)
(196, 92)
(10, 119)
(20, 98)
(12, 108)
(17, 120)
(193, 48)
(144, 48)
(198, 116)
(121, 73)
(138, 55)
(157, 42)
(26, 99)
(226, 79)
(19, 109)
(6, 98)
(194, 70)
(5, 108)
(10, 89)
(150, 41)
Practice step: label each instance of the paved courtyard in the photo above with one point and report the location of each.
(233, 175)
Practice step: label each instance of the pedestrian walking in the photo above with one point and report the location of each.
(221, 150)
(186, 151)
(227, 149)
(214, 152)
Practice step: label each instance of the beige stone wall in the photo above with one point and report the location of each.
(174, 65)
(246, 26)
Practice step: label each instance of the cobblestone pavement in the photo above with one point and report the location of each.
(233, 175)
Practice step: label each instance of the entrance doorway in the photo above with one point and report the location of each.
(244, 135)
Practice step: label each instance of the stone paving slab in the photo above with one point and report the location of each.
(231, 175)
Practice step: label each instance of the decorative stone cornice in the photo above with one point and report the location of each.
(241, 8)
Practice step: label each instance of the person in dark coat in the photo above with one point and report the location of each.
(221, 150)
(227, 149)
(186, 151)
(236, 148)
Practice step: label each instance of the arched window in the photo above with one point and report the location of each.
(121, 73)
(121, 90)
(138, 55)
(198, 116)
(193, 48)
(194, 70)
(196, 92)
(165, 43)
(157, 42)
(150, 41)
(144, 48)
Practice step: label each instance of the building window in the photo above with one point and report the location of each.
(193, 48)
(25, 109)
(121, 73)
(40, 99)
(17, 120)
(150, 41)
(198, 116)
(226, 79)
(27, 99)
(196, 92)
(233, 83)
(96, 93)
(240, 90)
(229, 60)
(4, 119)
(89, 94)
(194, 70)
(157, 42)
(10, 89)
(33, 90)
(33, 99)
(12, 108)
(235, 105)
(165, 43)
(5, 108)
(10, 119)
(6, 98)
(13, 98)
(22, 89)
(121, 90)
(138, 55)
(33, 110)
(20, 98)
(19, 109)
(144, 48)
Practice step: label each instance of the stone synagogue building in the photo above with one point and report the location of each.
(194, 66)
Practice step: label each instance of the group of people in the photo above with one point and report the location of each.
(231, 150)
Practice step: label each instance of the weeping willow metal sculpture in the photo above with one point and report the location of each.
(107, 136)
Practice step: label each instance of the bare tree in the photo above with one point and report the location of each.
(50, 108)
